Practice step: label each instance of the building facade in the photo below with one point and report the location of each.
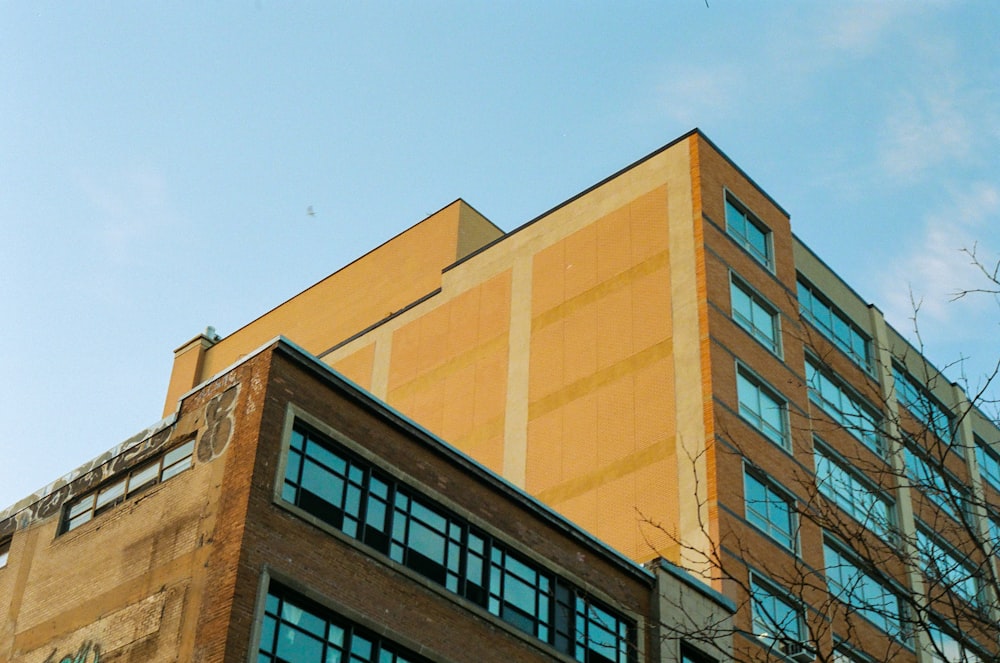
(283, 514)
(663, 363)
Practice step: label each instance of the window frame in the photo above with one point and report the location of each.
(340, 634)
(773, 495)
(748, 323)
(931, 550)
(755, 417)
(853, 422)
(829, 331)
(922, 404)
(164, 466)
(939, 486)
(467, 547)
(943, 639)
(875, 614)
(846, 500)
(988, 460)
(781, 640)
(748, 220)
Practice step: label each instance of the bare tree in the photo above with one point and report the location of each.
(892, 541)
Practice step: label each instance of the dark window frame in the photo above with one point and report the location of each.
(127, 484)
(467, 551)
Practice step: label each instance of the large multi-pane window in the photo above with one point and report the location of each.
(847, 488)
(989, 462)
(94, 503)
(296, 630)
(946, 568)
(843, 406)
(350, 494)
(865, 594)
(946, 649)
(835, 325)
(777, 621)
(918, 400)
(769, 510)
(935, 483)
(749, 232)
(755, 315)
(762, 408)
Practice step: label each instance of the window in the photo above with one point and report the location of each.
(835, 325)
(748, 232)
(96, 502)
(947, 649)
(769, 510)
(918, 400)
(764, 410)
(865, 594)
(944, 567)
(931, 479)
(847, 488)
(755, 315)
(348, 493)
(4, 551)
(989, 462)
(777, 622)
(691, 655)
(297, 630)
(846, 409)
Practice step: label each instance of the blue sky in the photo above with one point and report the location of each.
(157, 161)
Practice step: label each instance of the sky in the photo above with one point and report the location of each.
(158, 162)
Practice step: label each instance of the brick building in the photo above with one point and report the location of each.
(283, 514)
(662, 362)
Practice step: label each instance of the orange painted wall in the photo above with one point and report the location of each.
(449, 369)
(383, 281)
(600, 440)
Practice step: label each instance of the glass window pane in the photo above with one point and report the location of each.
(110, 493)
(182, 452)
(141, 478)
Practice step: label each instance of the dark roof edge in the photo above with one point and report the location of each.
(693, 132)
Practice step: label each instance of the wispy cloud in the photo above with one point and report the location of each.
(936, 266)
(858, 30)
(697, 95)
(925, 129)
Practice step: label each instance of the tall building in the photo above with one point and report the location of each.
(663, 363)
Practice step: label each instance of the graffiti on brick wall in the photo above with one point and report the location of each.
(89, 652)
(86, 479)
(218, 424)
(218, 431)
